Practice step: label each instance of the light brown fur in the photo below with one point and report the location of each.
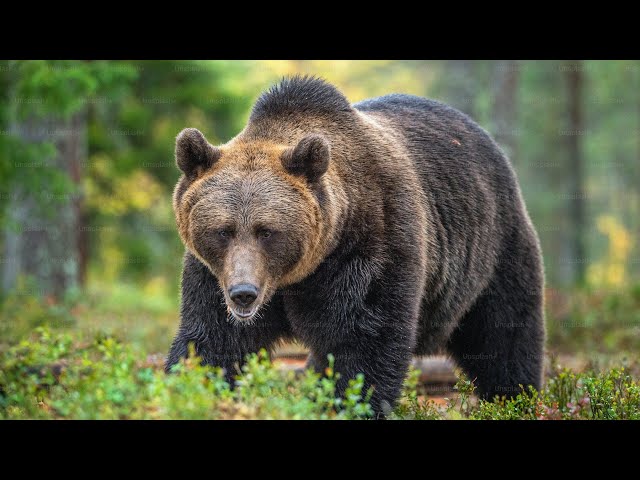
(236, 159)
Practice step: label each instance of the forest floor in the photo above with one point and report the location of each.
(101, 356)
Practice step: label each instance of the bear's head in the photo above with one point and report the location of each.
(252, 212)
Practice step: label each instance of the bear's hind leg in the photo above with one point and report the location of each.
(499, 343)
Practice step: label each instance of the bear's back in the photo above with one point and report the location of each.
(450, 152)
(471, 190)
(431, 124)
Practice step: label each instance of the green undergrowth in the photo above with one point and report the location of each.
(56, 375)
(594, 321)
(611, 395)
(608, 395)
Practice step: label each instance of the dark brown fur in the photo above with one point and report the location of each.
(396, 227)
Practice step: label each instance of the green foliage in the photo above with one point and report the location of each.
(411, 406)
(611, 395)
(595, 320)
(56, 375)
(461, 406)
(22, 311)
(90, 374)
(40, 91)
(59, 375)
(63, 87)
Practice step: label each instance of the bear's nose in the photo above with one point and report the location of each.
(244, 294)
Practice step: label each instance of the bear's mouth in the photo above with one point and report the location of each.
(247, 315)
(244, 314)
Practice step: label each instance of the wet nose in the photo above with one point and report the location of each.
(243, 295)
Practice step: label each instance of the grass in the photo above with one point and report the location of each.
(100, 354)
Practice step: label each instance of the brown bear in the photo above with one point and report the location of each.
(376, 231)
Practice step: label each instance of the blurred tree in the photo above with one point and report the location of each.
(505, 84)
(575, 131)
(45, 245)
(46, 140)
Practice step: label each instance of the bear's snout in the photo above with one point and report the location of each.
(243, 295)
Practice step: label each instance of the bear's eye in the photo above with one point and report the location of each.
(264, 233)
(224, 233)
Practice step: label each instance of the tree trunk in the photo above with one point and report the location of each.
(48, 243)
(506, 77)
(77, 156)
(574, 134)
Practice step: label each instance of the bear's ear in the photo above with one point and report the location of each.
(193, 153)
(310, 158)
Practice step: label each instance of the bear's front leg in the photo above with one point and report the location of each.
(366, 317)
(204, 322)
(368, 324)
(382, 359)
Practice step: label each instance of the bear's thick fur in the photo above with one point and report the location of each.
(376, 231)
